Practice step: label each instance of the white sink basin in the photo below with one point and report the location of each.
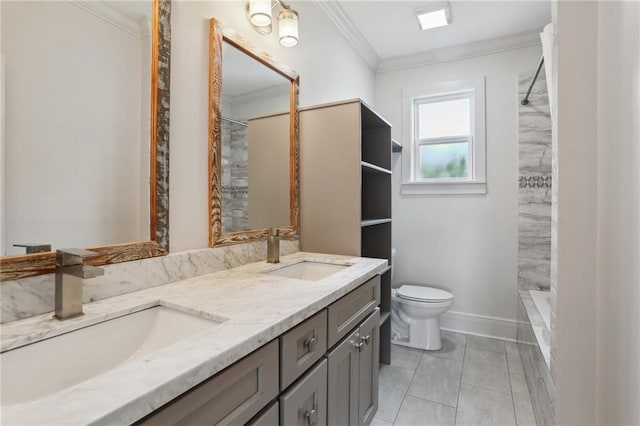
(38, 370)
(308, 271)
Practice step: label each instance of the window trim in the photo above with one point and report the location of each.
(458, 89)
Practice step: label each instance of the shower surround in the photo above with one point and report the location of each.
(235, 176)
(534, 181)
(534, 245)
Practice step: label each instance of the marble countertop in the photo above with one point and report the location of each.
(253, 307)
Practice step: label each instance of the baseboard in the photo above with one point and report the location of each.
(479, 325)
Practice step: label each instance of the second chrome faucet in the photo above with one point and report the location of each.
(70, 271)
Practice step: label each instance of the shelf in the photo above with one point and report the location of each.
(396, 146)
(384, 316)
(368, 167)
(385, 270)
(374, 222)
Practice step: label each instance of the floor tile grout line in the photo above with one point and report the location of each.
(407, 390)
(464, 353)
(513, 400)
(430, 401)
(485, 388)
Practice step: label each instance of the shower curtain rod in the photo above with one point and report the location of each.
(525, 101)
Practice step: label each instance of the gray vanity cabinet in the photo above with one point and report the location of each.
(353, 375)
(368, 369)
(301, 347)
(346, 313)
(305, 402)
(269, 417)
(233, 396)
(342, 382)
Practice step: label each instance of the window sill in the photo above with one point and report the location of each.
(443, 188)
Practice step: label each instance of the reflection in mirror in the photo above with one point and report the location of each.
(255, 144)
(85, 138)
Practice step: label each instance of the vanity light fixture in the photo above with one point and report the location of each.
(259, 14)
(434, 16)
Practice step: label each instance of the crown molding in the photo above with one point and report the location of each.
(109, 15)
(341, 20)
(464, 51)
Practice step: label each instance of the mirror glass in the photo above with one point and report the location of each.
(76, 83)
(255, 128)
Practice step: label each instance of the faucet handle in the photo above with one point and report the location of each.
(35, 247)
(72, 256)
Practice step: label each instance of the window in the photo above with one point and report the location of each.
(445, 128)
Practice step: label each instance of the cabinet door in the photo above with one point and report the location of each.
(342, 382)
(305, 403)
(233, 396)
(368, 377)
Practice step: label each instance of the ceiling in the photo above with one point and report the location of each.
(391, 27)
(131, 9)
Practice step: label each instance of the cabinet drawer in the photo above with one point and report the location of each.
(345, 314)
(305, 403)
(233, 396)
(269, 417)
(301, 347)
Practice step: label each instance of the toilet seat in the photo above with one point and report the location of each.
(423, 294)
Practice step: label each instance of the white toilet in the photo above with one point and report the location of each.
(416, 311)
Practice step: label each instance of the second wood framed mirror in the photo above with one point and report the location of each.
(87, 105)
(253, 142)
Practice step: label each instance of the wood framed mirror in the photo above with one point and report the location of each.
(106, 52)
(253, 142)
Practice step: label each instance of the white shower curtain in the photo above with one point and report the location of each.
(548, 38)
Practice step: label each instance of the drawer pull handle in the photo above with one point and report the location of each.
(310, 342)
(359, 346)
(312, 417)
(366, 339)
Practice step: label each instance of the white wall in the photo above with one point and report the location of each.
(73, 118)
(619, 213)
(465, 244)
(329, 70)
(598, 303)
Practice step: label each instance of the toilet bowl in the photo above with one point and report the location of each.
(416, 311)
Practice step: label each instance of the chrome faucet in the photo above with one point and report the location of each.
(273, 246)
(70, 271)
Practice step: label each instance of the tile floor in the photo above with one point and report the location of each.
(471, 381)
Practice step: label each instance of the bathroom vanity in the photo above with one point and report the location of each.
(291, 343)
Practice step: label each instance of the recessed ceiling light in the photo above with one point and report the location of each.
(434, 16)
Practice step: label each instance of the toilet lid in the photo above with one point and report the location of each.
(425, 294)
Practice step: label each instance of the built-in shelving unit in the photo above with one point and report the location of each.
(374, 222)
(396, 146)
(348, 210)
